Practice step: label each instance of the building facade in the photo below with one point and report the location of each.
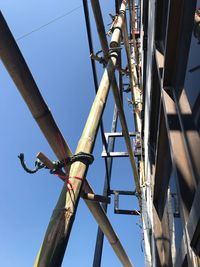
(171, 77)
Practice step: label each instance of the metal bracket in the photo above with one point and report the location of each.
(101, 60)
(106, 154)
(95, 198)
(116, 202)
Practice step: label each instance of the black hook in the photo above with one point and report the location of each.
(38, 164)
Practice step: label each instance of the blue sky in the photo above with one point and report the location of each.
(58, 57)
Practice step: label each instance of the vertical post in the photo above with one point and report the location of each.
(100, 235)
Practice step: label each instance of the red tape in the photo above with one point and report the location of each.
(66, 179)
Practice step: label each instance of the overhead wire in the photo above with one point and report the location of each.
(48, 23)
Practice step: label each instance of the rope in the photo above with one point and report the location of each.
(83, 157)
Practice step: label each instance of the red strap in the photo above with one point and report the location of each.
(65, 178)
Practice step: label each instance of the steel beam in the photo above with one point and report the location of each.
(106, 191)
(186, 180)
(163, 167)
(180, 17)
(193, 225)
(161, 234)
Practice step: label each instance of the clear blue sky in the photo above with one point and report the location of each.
(58, 57)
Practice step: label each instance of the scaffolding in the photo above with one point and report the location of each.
(156, 61)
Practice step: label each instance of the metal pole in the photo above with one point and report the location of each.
(100, 235)
(54, 244)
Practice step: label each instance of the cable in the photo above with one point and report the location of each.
(48, 23)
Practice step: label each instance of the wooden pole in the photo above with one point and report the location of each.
(100, 27)
(117, 26)
(23, 79)
(131, 4)
(100, 217)
(55, 241)
(146, 190)
(111, 142)
(86, 143)
(133, 78)
(136, 91)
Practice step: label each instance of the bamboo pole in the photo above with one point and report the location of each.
(115, 38)
(111, 143)
(110, 146)
(86, 143)
(133, 78)
(118, 25)
(98, 213)
(131, 4)
(146, 191)
(54, 244)
(23, 79)
(138, 87)
(100, 27)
